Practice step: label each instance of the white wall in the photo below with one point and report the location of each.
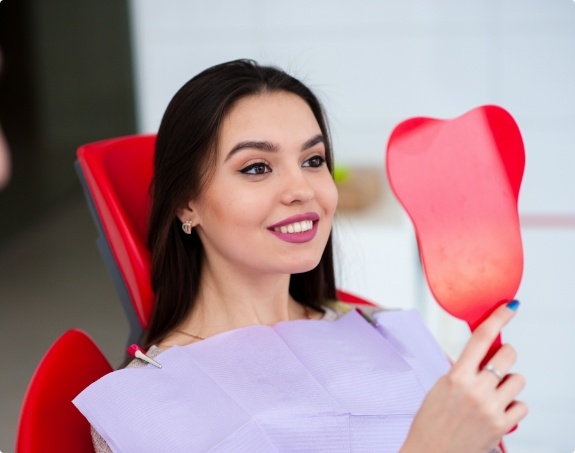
(377, 62)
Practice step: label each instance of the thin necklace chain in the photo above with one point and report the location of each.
(197, 337)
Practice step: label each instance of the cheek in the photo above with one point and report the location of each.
(328, 196)
(234, 209)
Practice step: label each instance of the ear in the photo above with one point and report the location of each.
(188, 213)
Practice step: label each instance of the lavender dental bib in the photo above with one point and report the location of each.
(341, 386)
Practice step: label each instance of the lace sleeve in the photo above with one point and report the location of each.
(100, 445)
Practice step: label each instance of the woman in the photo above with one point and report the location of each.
(240, 235)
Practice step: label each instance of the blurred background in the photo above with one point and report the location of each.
(75, 72)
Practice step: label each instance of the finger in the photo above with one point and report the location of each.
(516, 411)
(500, 363)
(485, 335)
(493, 372)
(509, 388)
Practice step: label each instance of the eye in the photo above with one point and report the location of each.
(314, 162)
(259, 168)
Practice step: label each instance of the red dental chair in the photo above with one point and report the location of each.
(48, 420)
(115, 176)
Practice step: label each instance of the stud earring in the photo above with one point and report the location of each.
(187, 227)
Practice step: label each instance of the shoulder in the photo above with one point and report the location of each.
(100, 445)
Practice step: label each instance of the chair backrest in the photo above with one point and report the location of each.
(116, 176)
(48, 420)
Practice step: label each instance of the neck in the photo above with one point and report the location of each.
(228, 299)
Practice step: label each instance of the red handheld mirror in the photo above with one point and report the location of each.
(459, 182)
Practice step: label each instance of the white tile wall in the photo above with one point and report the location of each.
(533, 15)
(548, 184)
(378, 62)
(545, 335)
(535, 74)
(548, 278)
(374, 258)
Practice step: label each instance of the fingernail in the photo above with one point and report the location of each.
(513, 305)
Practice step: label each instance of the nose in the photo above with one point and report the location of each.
(296, 187)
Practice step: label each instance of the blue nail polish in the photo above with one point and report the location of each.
(513, 305)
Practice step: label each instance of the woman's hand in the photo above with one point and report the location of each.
(470, 409)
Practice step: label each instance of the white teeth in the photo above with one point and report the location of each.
(296, 227)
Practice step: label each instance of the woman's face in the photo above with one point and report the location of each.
(270, 204)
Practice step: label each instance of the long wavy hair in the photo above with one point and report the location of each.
(185, 160)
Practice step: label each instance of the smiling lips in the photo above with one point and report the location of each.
(296, 229)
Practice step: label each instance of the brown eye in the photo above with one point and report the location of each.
(314, 162)
(256, 169)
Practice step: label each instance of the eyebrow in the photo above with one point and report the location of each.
(271, 147)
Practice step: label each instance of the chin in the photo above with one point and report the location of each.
(304, 266)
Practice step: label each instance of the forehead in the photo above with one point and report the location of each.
(276, 117)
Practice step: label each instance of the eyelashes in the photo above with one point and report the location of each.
(261, 168)
(314, 162)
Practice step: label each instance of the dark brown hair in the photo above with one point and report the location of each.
(185, 159)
